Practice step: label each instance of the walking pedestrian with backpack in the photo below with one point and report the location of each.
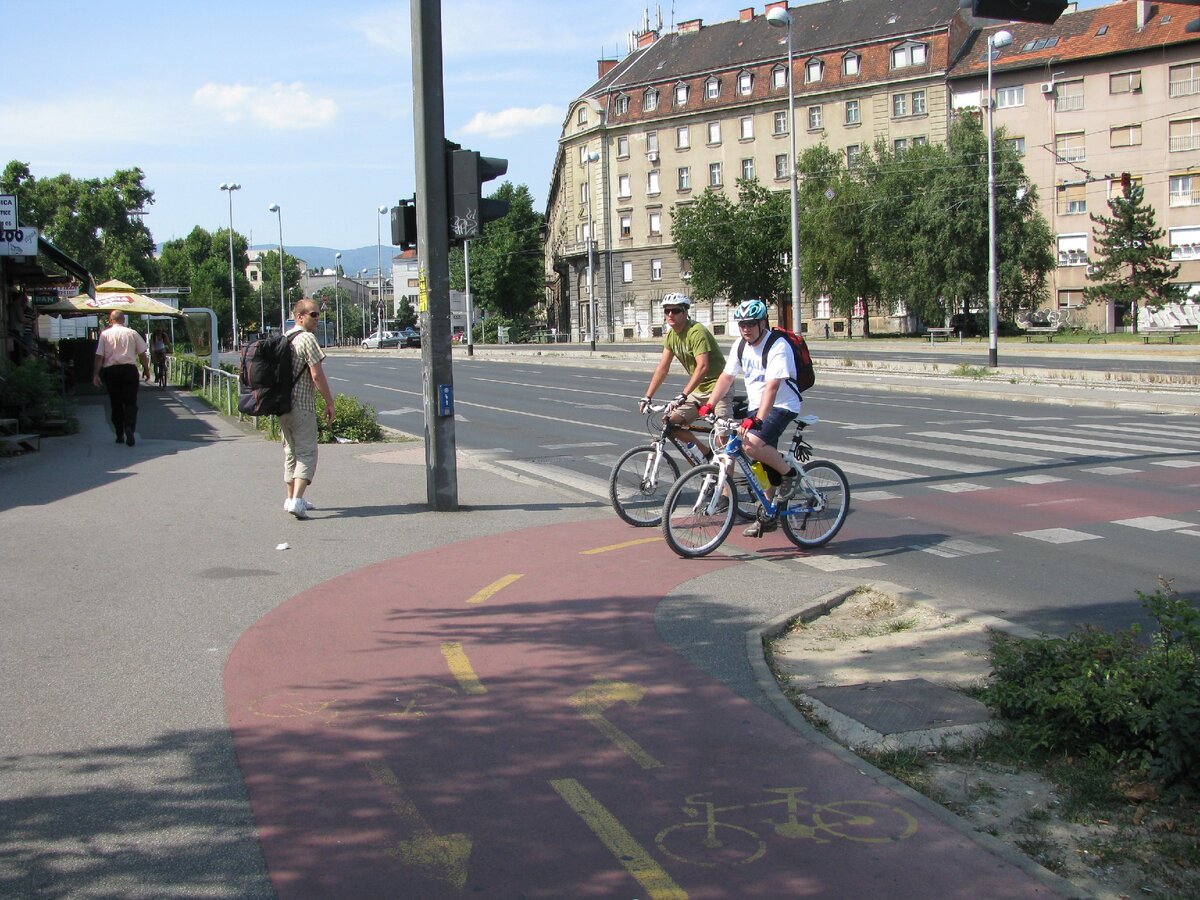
(298, 425)
(771, 365)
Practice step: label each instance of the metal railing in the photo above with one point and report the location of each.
(218, 387)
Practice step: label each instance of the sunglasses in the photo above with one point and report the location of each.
(313, 315)
(673, 312)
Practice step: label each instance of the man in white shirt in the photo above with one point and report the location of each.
(118, 351)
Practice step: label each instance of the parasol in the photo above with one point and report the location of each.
(110, 296)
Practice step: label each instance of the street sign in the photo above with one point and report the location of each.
(8, 211)
(18, 241)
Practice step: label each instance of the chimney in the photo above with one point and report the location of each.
(771, 6)
(746, 14)
(646, 38)
(690, 25)
(604, 66)
(1142, 13)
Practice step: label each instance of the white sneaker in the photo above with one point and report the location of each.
(296, 508)
(304, 502)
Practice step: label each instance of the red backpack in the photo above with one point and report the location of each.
(806, 375)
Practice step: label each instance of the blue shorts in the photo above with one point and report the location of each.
(774, 425)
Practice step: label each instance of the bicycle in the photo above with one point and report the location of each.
(638, 483)
(160, 369)
(695, 522)
(710, 841)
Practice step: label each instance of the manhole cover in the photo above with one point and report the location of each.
(895, 707)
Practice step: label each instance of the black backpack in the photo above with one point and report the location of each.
(266, 380)
(806, 375)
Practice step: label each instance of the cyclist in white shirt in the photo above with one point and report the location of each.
(774, 404)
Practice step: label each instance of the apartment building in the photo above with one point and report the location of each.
(1101, 93)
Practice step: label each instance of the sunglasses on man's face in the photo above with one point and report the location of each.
(673, 312)
(313, 315)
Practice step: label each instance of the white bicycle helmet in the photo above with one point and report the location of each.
(674, 299)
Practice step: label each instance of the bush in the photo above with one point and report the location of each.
(1109, 692)
(352, 420)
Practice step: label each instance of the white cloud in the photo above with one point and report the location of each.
(514, 120)
(280, 106)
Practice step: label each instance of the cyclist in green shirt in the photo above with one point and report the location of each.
(696, 349)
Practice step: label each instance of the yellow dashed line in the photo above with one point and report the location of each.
(498, 585)
(460, 668)
(629, 853)
(621, 546)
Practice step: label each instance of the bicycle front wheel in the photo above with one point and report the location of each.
(637, 488)
(695, 520)
(818, 510)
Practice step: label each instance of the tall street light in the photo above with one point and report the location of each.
(592, 157)
(230, 187)
(383, 210)
(274, 207)
(337, 300)
(779, 17)
(995, 42)
(362, 277)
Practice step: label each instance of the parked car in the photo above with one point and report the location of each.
(409, 337)
(374, 342)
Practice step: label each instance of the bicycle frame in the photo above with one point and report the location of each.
(692, 454)
(733, 452)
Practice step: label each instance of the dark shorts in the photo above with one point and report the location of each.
(774, 425)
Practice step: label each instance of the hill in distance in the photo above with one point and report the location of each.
(352, 260)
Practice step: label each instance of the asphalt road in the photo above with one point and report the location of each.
(1047, 516)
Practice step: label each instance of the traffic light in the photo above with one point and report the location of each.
(1044, 11)
(404, 224)
(469, 209)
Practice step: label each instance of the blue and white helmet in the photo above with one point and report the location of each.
(750, 310)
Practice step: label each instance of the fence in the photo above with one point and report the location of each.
(218, 387)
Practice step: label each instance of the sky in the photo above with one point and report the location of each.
(307, 105)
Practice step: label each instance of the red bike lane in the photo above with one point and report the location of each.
(500, 718)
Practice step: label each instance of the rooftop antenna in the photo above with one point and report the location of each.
(658, 9)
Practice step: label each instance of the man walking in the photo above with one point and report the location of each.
(118, 351)
(299, 427)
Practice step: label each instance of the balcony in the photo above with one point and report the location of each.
(1181, 142)
(1184, 87)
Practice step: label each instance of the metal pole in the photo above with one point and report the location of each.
(992, 317)
(591, 157)
(470, 309)
(337, 300)
(383, 210)
(433, 251)
(379, 266)
(229, 189)
(792, 184)
(274, 207)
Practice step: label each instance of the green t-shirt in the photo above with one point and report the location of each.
(696, 340)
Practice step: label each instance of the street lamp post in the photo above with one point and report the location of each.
(591, 158)
(379, 264)
(230, 187)
(337, 300)
(779, 17)
(362, 277)
(995, 42)
(274, 207)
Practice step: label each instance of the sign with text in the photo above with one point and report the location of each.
(18, 241)
(8, 211)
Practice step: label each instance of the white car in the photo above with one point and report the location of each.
(374, 342)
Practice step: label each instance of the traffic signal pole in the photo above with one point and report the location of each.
(433, 254)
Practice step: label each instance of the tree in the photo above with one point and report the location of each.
(96, 221)
(736, 250)
(507, 259)
(1133, 266)
(291, 286)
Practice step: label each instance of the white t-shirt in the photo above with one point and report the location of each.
(779, 365)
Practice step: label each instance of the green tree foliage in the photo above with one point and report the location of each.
(1133, 266)
(507, 259)
(200, 262)
(96, 221)
(736, 250)
(291, 286)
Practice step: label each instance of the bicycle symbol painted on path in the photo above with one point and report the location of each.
(711, 840)
(410, 701)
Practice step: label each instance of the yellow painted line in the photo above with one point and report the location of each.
(591, 703)
(620, 546)
(460, 668)
(620, 843)
(498, 585)
(622, 740)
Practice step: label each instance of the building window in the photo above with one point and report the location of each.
(1125, 136)
(656, 270)
(814, 117)
(908, 55)
(652, 182)
(655, 220)
(899, 145)
(1068, 96)
(781, 165)
(1185, 135)
(779, 77)
(1069, 148)
(1185, 243)
(1018, 145)
(623, 188)
(747, 128)
(813, 70)
(781, 123)
(626, 231)
(1072, 250)
(1185, 190)
(581, 116)
(853, 154)
(627, 272)
(650, 100)
(851, 63)
(714, 132)
(583, 154)
(745, 83)
(1116, 190)
(918, 103)
(712, 88)
(584, 192)
(1124, 82)
(681, 138)
(899, 105)
(714, 174)
(1070, 299)
(623, 147)
(748, 169)
(685, 178)
(1007, 97)
(681, 95)
(823, 308)
(621, 106)
(651, 141)
(920, 140)
(1072, 199)
(1184, 80)
(852, 112)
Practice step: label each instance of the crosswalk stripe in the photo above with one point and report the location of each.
(954, 548)
(966, 451)
(1165, 432)
(1110, 470)
(838, 450)
(1036, 479)
(1154, 523)
(853, 468)
(1177, 463)
(1090, 442)
(959, 487)
(1024, 445)
(585, 483)
(1059, 535)
(833, 563)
